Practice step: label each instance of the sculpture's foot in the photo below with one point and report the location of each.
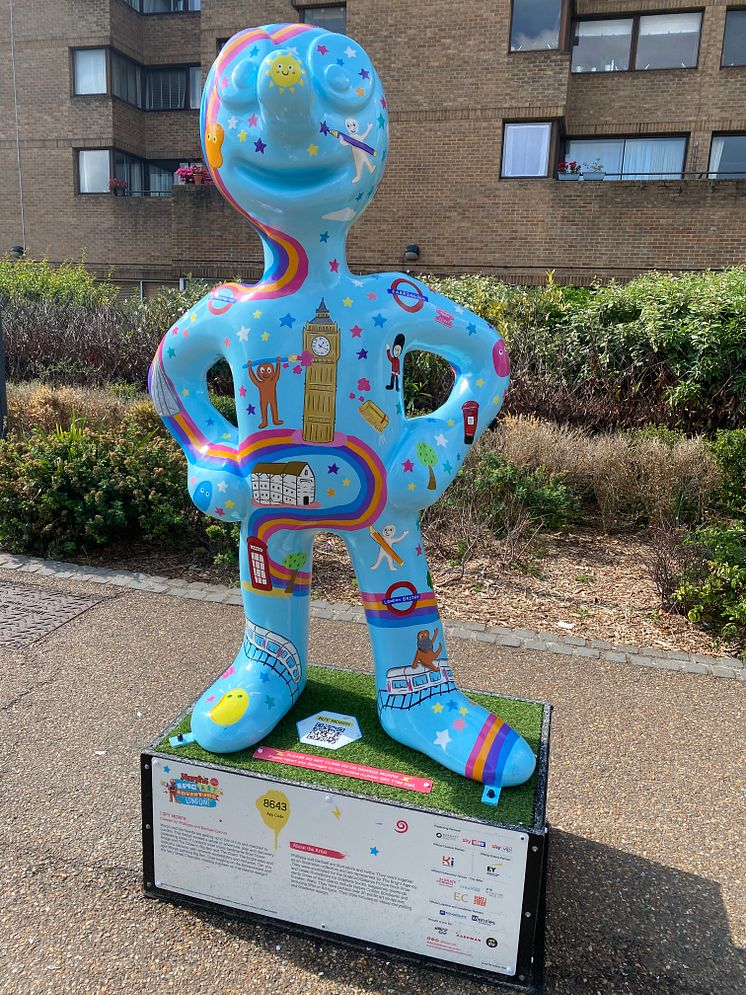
(439, 721)
(245, 703)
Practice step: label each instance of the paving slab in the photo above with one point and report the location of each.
(646, 890)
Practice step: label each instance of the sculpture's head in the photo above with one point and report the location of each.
(294, 125)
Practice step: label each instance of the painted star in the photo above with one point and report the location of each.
(171, 353)
(418, 550)
(363, 354)
(230, 504)
(347, 302)
(210, 421)
(260, 146)
(287, 320)
(322, 49)
(379, 321)
(357, 283)
(264, 336)
(440, 440)
(452, 706)
(333, 468)
(364, 73)
(497, 399)
(324, 236)
(255, 50)
(350, 52)
(383, 103)
(242, 391)
(226, 343)
(463, 711)
(372, 295)
(374, 850)
(312, 149)
(324, 128)
(346, 482)
(251, 409)
(243, 135)
(185, 392)
(225, 435)
(356, 331)
(166, 770)
(253, 121)
(331, 492)
(459, 724)
(269, 701)
(471, 328)
(232, 122)
(334, 265)
(257, 314)
(340, 62)
(410, 487)
(447, 466)
(399, 409)
(450, 423)
(437, 708)
(264, 677)
(219, 511)
(243, 333)
(442, 738)
(480, 382)
(222, 487)
(408, 466)
(360, 91)
(360, 196)
(381, 121)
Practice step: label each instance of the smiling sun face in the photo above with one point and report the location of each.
(285, 72)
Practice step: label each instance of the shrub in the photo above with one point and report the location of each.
(729, 448)
(72, 490)
(67, 284)
(704, 576)
(38, 407)
(501, 487)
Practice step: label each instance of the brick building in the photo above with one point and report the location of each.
(485, 99)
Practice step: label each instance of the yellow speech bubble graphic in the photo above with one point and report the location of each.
(274, 809)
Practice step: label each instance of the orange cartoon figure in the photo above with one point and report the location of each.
(265, 379)
(426, 654)
(214, 136)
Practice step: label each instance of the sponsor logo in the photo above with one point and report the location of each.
(465, 936)
(474, 842)
(407, 295)
(493, 868)
(451, 915)
(491, 941)
(188, 789)
(459, 896)
(441, 929)
(484, 922)
(444, 317)
(480, 900)
(448, 861)
(448, 882)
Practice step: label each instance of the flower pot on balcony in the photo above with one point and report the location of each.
(197, 177)
(595, 174)
(568, 176)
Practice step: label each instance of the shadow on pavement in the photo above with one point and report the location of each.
(618, 924)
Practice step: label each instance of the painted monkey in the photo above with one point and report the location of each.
(265, 379)
(426, 654)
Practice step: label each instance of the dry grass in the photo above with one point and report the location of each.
(37, 406)
(630, 477)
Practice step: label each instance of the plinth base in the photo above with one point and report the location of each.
(402, 857)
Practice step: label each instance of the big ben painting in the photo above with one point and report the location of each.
(321, 337)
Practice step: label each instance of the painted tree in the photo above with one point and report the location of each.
(429, 458)
(294, 562)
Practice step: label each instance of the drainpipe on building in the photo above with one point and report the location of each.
(15, 253)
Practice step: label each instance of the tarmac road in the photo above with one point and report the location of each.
(646, 882)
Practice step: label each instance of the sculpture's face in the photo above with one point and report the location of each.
(264, 371)
(283, 114)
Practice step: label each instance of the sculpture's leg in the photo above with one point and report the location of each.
(419, 703)
(269, 672)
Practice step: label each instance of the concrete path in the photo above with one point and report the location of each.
(646, 889)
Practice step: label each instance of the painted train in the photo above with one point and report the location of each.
(275, 651)
(406, 685)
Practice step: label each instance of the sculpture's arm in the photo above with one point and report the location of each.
(435, 445)
(178, 388)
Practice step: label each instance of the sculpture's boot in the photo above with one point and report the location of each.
(419, 703)
(268, 674)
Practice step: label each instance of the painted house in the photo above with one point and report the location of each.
(283, 483)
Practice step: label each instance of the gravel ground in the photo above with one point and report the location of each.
(644, 799)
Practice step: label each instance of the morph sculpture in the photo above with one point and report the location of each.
(295, 133)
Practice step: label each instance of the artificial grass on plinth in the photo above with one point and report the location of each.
(352, 693)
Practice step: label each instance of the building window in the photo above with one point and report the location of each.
(649, 41)
(668, 41)
(734, 42)
(630, 158)
(526, 149)
(332, 17)
(535, 25)
(89, 70)
(165, 89)
(602, 46)
(728, 157)
(93, 170)
(195, 87)
(164, 6)
(126, 79)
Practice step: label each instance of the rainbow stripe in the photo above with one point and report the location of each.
(379, 614)
(490, 751)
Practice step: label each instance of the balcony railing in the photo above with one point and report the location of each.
(705, 174)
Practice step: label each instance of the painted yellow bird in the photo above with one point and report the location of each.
(230, 708)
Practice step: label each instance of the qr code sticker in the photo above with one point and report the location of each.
(322, 732)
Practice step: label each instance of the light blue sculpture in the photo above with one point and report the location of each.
(295, 132)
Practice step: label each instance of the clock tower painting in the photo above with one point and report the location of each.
(321, 337)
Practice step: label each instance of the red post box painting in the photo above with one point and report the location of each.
(471, 417)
